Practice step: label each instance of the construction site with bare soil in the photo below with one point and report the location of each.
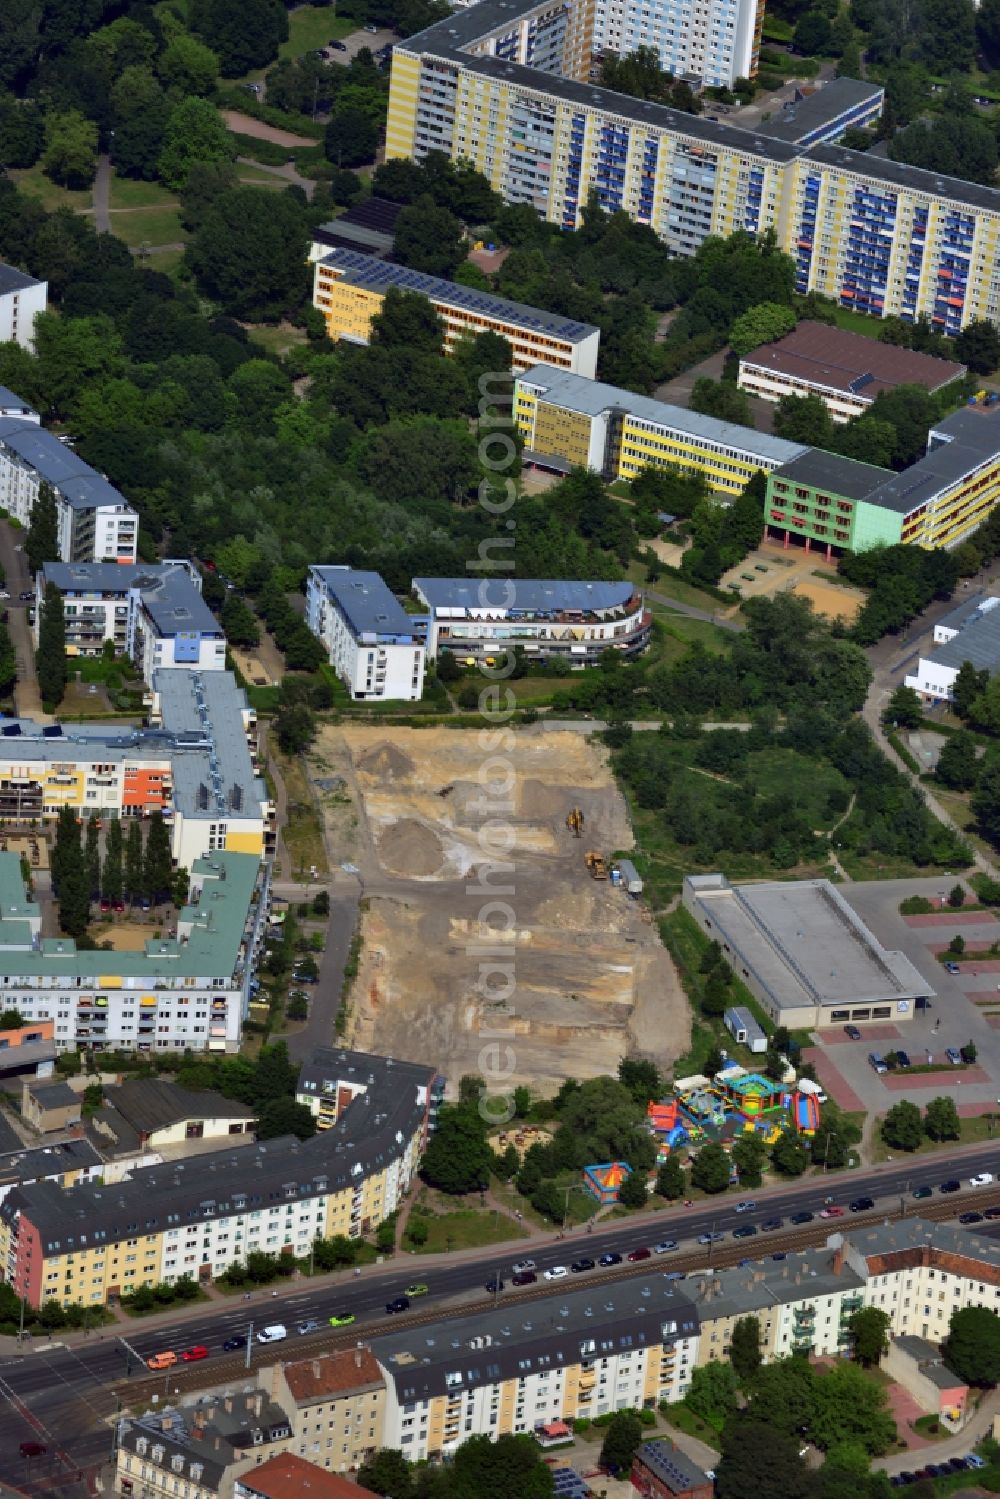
(487, 920)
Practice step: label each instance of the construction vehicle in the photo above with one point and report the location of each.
(597, 864)
(574, 821)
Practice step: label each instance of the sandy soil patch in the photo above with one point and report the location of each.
(127, 936)
(247, 125)
(565, 971)
(830, 599)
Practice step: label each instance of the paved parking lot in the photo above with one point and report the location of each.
(956, 1017)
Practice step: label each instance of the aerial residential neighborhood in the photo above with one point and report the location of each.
(500, 749)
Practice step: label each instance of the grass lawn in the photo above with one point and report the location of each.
(673, 588)
(126, 192)
(973, 1132)
(857, 322)
(455, 1227)
(169, 262)
(254, 178)
(303, 834)
(882, 867)
(32, 180)
(538, 690)
(314, 26)
(277, 340)
(685, 1420)
(149, 226)
(785, 773)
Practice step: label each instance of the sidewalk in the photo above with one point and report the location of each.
(972, 1432)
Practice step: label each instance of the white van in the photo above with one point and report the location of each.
(276, 1333)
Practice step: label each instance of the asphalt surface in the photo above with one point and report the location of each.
(66, 1397)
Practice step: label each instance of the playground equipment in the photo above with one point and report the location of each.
(604, 1181)
(753, 1094)
(574, 821)
(805, 1112)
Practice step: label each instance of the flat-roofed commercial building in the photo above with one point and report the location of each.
(484, 619)
(372, 642)
(804, 954)
(567, 422)
(349, 289)
(846, 370)
(969, 633)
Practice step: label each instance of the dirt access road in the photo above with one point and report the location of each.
(592, 980)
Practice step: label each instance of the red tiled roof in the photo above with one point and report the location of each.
(334, 1373)
(825, 355)
(291, 1477)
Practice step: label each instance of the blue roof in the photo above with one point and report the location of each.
(567, 1484)
(366, 601)
(530, 595)
(11, 401)
(368, 271)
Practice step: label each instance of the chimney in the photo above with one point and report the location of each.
(217, 1443)
(258, 1402)
(837, 1264)
(166, 1422)
(316, 1368)
(227, 1404)
(357, 1355)
(199, 1418)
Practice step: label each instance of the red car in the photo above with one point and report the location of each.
(192, 1355)
(639, 1254)
(105, 903)
(119, 905)
(832, 1212)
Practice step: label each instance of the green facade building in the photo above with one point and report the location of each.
(820, 500)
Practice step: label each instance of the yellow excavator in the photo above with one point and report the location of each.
(574, 821)
(597, 864)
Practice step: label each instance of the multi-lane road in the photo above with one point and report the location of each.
(66, 1397)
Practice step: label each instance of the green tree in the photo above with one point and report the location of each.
(804, 419)
(249, 252)
(69, 873)
(158, 868)
(21, 131)
(783, 1395)
(946, 38)
(848, 1408)
(189, 66)
(749, 1156)
(429, 238)
(902, 1127)
(70, 154)
(714, 1392)
(671, 1182)
(721, 399)
(295, 728)
(243, 34)
(8, 662)
(904, 708)
(386, 1472)
(958, 764)
(834, 1136)
(134, 882)
(486, 1469)
(715, 994)
(50, 657)
(985, 802)
(956, 897)
(351, 138)
(763, 324)
(641, 1078)
(622, 1439)
(11, 1020)
(710, 1171)
(283, 1116)
(869, 1330)
(93, 855)
(941, 1121)
(632, 1192)
(789, 1154)
(744, 1348)
(42, 541)
(978, 346)
(195, 133)
(458, 1157)
(972, 1347)
(111, 873)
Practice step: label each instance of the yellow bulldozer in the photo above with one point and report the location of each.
(574, 821)
(597, 864)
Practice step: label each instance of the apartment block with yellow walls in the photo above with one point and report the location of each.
(187, 991)
(93, 1243)
(349, 288)
(565, 421)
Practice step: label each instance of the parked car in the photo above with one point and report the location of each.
(950, 1186)
(524, 1278)
(639, 1254)
(981, 1179)
(952, 968)
(852, 1032)
(745, 1231)
(578, 1266)
(877, 1061)
(862, 1204)
(922, 1192)
(902, 1058)
(495, 1285)
(194, 1354)
(707, 1238)
(954, 1056)
(803, 1217)
(992, 1213)
(974, 1460)
(557, 1272)
(771, 1224)
(398, 1304)
(611, 1258)
(665, 1246)
(833, 1211)
(238, 1340)
(336, 46)
(970, 1217)
(309, 1325)
(26, 595)
(781, 1255)
(519, 1266)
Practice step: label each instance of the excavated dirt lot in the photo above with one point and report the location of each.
(592, 980)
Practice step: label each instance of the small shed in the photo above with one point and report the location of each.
(745, 1030)
(631, 879)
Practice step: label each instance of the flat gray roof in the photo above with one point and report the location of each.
(213, 774)
(978, 641)
(366, 602)
(593, 397)
(47, 1161)
(81, 485)
(11, 279)
(176, 606)
(379, 275)
(957, 445)
(845, 476)
(803, 943)
(525, 595)
(803, 117)
(767, 1283)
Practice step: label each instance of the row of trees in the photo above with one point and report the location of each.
(905, 1129)
(130, 869)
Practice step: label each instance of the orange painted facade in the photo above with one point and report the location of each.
(146, 789)
(34, 1030)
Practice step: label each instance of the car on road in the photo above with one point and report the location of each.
(771, 1224)
(950, 1186)
(745, 1231)
(922, 1192)
(611, 1258)
(32, 1449)
(26, 595)
(578, 1266)
(991, 1213)
(638, 1254)
(495, 1284)
(665, 1246)
(952, 968)
(194, 1354)
(902, 1058)
(4, 594)
(524, 1278)
(397, 1304)
(781, 1255)
(852, 1032)
(417, 1289)
(981, 1179)
(970, 1217)
(556, 1272)
(708, 1237)
(746, 1206)
(238, 1340)
(804, 1217)
(344, 1319)
(833, 1211)
(165, 1360)
(519, 1266)
(311, 1324)
(954, 1056)
(862, 1204)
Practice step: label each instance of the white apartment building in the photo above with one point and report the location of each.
(96, 523)
(370, 639)
(22, 298)
(715, 41)
(969, 633)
